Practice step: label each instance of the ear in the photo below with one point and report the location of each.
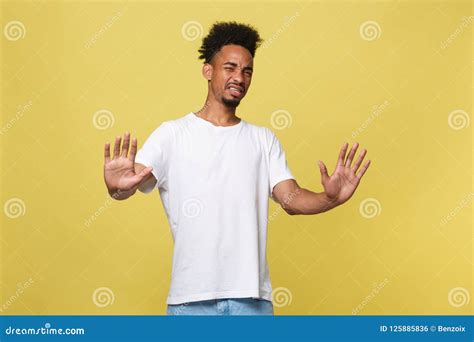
(207, 71)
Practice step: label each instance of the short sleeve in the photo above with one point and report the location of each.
(278, 166)
(155, 152)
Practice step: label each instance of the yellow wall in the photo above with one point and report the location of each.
(403, 89)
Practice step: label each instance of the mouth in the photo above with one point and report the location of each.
(235, 90)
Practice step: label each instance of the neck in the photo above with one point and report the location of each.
(218, 113)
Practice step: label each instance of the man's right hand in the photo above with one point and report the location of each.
(119, 173)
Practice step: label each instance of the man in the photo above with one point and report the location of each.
(215, 173)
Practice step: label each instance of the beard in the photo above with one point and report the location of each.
(232, 103)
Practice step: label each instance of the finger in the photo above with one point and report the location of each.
(364, 168)
(342, 155)
(117, 147)
(133, 150)
(359, 160)
(351, 154)
(126, 144)
(107, 152)
(324, 171)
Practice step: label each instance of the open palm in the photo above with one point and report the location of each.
(119, 172)
(341, 185)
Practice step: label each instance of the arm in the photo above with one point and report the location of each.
(338, 187)
(299, 201)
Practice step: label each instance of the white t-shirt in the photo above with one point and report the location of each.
(215, 183)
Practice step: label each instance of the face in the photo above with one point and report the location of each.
(230, 74)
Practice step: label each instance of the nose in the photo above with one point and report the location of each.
(237, 76)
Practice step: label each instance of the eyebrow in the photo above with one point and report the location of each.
(235, 64)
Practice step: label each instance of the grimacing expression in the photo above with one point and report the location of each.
(231, 74)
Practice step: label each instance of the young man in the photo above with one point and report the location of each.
(215, 173)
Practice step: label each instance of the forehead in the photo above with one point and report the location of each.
(236, 54)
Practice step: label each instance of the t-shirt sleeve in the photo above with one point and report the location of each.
(278, 166)
(155, 153)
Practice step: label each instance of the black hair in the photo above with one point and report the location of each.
(225, 33)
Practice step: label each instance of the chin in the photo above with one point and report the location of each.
(231, 102)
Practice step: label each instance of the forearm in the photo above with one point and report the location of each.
(306, 202)
(121, 195)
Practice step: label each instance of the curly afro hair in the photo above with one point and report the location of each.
(226, 33)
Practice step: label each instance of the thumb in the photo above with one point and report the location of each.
(142, 174)
(147, 170)
(324, 171)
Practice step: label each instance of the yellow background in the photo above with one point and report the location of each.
(133, 60)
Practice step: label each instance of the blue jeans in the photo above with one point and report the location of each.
(226, 306)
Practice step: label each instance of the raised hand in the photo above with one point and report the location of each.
(341, 185)
(119, 172)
